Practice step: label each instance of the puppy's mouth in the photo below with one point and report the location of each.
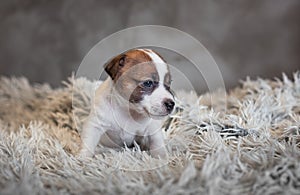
(155, 116)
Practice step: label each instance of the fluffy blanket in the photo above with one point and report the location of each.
(250, 147)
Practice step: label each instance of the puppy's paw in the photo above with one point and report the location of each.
(160, 153)
(84, 154)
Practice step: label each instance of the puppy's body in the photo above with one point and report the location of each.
(130, 105)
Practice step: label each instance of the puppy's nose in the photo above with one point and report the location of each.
(169, 104)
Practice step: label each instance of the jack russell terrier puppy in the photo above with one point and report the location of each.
(130, 105)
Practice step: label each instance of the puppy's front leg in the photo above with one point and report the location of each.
(90, 137)
(157, 145)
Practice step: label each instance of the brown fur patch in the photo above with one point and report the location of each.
(129, 59)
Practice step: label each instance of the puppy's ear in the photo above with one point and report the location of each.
(113, 67)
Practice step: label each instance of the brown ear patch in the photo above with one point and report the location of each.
(113, 66)
(123, 62)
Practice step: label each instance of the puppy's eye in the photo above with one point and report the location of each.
(147, 84)
(122, 61)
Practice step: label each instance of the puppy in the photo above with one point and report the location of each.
(130, 105)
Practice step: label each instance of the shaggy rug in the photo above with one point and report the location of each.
(251, 147)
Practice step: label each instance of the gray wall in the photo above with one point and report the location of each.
(45, 40)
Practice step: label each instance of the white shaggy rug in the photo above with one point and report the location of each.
(250, 148)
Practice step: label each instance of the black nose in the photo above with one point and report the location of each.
(169, 104)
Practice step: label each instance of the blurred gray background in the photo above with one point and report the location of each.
(45, 40)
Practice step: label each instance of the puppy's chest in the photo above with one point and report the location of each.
(129, 129)
(121, 120)
(120, 126)
(127, 134)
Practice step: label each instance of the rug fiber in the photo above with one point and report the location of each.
(247, 143)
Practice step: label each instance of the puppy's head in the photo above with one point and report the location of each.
(142, 77)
